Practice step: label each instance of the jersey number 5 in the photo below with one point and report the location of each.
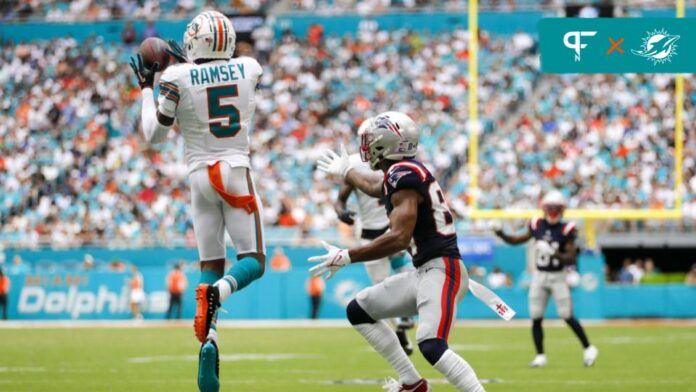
(224, 118)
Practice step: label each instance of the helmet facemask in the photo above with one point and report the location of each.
(553, 212)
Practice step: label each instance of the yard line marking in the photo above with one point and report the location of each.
(19, 369)
(223, 357)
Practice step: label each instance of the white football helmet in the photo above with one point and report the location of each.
(210, 35)
(364, 126)
(553, 204)
(390, 135)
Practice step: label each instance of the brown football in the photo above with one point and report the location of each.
(154, 50)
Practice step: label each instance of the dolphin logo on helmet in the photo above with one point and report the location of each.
(210, 36)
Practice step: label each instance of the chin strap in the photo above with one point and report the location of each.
(246, 202)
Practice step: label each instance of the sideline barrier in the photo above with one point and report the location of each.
(49, 292)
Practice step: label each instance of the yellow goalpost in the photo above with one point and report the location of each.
(587, 215)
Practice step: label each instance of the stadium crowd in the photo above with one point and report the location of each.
(93, 10)
(74, 168)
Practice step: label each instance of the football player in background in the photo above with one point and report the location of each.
(211, 96)
(553, 249)
(374, 222)
(420, 220)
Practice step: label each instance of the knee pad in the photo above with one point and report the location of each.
(432, 349)
(357, 315)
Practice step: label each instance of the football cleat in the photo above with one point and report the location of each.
(391, 385)
(404, 341)
(207, 303)
(209, 367)
(539, 361)
(590, 356)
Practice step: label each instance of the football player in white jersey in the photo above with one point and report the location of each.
(211, 96)
(373, 223)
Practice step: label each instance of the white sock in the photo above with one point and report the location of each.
(385, 342)
(458, 372)
(212, 334)
(225, 286)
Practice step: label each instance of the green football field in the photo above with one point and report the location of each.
(632, 358)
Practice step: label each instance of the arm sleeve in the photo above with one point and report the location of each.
(168, 98)
(153, 131)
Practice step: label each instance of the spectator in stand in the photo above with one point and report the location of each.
(651, 272)
(691, 276)
(128, 34)
(75, 171)
(625, 276)
(315, 290)
(4, 292)
(637, 270)
(176, 284)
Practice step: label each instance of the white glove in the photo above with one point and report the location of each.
(335, 259)
(544, 248)
(495, 226)
(335, 164)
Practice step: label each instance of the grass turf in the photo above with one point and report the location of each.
(636, 358)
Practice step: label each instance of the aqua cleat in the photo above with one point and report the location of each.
(209, 367)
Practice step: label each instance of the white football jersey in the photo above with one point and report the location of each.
(373, 215)
(213, 103)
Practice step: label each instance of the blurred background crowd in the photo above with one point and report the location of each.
(74, 168)
(96, 10)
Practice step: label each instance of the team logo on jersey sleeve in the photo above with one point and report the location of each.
(396, 176)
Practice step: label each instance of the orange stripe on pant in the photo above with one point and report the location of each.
(247, 202)
(257, 215)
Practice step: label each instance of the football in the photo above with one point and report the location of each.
(154, 50)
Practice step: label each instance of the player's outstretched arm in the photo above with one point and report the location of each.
(155, 124)
(339, 165)
(344, 214)
(369, 183)
(513, 239)
(402, 222)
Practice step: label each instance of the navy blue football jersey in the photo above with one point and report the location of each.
(557, 235)
(434, 235)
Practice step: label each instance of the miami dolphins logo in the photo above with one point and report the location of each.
(659, 46)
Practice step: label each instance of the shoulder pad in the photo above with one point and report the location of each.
(253, 64)
(569, 228)
(174, 71)
(404, 175)
(534, 223)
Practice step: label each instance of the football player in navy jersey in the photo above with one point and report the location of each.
(419, 220)
(553, 249)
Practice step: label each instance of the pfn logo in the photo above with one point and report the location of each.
(572, 40)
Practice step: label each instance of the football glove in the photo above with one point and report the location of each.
(146, 76)
(544, 248)
(332, 261)
(332, 163)
(346, 216)
(176, 51)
